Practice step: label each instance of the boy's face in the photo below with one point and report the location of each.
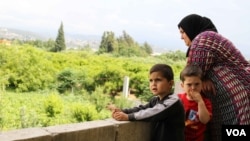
(159, 85)
(192, 84)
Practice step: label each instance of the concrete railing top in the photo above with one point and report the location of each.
(101, 130)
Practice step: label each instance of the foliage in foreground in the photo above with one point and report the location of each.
(47, 109)
(40, 88)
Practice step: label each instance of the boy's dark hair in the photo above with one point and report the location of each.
(166, 71)
(191, 70)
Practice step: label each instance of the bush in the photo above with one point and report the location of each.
(53, 105)
(84, 112)
(122, 102)
(99, 99)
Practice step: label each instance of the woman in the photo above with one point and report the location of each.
(224, 65)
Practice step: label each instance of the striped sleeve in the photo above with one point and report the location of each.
(157, 112)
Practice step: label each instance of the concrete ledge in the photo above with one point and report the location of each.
(27, 134)
(101, 130)
(133, 131)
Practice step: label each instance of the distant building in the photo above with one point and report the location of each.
(5, 42)
(156, 53)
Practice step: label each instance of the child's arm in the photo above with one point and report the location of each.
(112, 107)
(204, 115)
(114, 110)
(120, 116)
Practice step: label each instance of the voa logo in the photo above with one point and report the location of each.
(236, 132)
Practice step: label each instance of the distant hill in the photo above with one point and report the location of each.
(9, 33)
(78, 41)
(72, 40)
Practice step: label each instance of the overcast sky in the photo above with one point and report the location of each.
(153, 21)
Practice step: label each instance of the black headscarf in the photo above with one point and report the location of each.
(194, 24)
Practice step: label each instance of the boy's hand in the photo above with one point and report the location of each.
(120, 116)
(196, 96)
(111, 107)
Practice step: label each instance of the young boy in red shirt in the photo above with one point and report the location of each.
(198, 109)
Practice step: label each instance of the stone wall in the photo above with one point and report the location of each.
(101, 130)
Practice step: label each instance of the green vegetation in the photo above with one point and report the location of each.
(60, 41)
(123, 45)
(41, 88)
(23, 110)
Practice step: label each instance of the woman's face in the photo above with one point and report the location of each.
(185, 37)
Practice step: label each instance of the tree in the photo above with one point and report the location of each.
(60, 41)
(49, 44)
(123, 45)
(108, 43)
(128, 39)
(147, 48)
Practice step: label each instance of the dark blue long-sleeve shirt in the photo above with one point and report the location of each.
(166, 116)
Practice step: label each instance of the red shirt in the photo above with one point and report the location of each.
(194, 129)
